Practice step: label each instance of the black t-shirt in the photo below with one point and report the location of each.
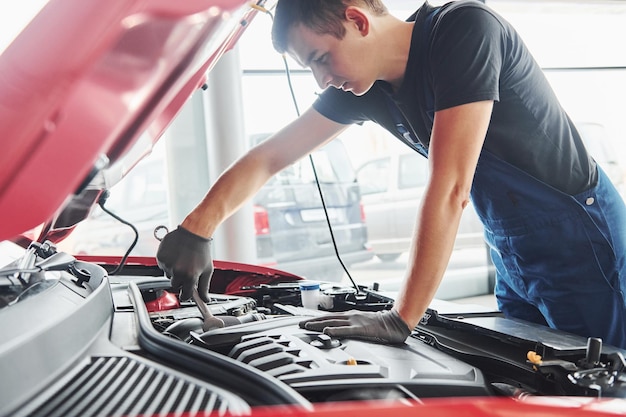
(464, 52)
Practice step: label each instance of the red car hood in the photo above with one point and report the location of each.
(84, 81)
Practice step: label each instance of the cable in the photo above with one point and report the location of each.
(317, 181)
(101, 201)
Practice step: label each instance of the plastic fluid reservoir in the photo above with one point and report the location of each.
(310, 294)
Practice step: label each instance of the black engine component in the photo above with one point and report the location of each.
(480, 354)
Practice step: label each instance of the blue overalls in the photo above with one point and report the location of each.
(560, 259)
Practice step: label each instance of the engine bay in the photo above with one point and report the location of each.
(264, 333)
(94, 324)
(447, 355)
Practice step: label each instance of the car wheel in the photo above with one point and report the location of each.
(388, 257)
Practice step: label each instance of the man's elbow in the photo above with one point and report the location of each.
(461, 196)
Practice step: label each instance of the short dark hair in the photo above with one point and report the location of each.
(321, 16)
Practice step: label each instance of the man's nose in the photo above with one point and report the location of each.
(323, 78)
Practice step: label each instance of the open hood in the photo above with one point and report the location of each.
(83, 82)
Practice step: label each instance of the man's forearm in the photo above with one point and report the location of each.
(429, 256)
(242, 180)
(456, 141)
(232, 189)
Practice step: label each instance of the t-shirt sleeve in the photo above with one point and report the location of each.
(339, 106)
(466, 57)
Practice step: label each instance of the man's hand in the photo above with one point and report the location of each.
(186, 259)
(382, 326)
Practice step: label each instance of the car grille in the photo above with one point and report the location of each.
(122, 386)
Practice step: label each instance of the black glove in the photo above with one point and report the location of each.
(186, 259)
(382, 326)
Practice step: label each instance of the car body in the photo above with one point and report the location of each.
(107, 336)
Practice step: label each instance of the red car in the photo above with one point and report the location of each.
(106, 337)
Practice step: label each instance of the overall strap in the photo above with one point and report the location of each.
(400, 124)
(399, 120)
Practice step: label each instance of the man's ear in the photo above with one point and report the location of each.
(356, 16)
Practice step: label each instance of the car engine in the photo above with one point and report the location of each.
(318, 366)
(86, 342)
(448, 355)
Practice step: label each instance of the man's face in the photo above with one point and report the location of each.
(340, 63)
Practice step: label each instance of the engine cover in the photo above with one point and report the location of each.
(311, 361)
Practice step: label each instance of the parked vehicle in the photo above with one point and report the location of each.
(289, 220)
(87, 336)
(392, 187)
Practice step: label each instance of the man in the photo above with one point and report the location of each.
(458, 85)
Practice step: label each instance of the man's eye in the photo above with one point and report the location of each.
(322, 59)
